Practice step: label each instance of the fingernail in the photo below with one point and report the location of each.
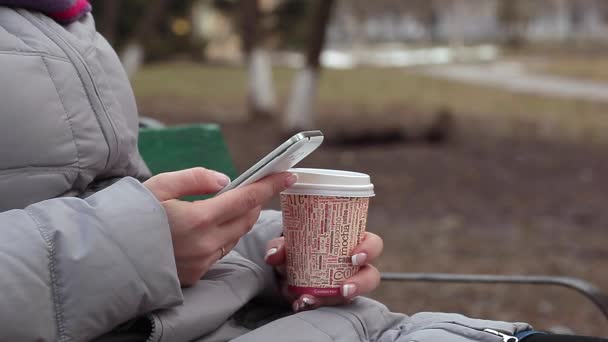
(295, 306)
(291, 180)
(348, 290)
(271, 252)
(308, 301)
(359, 259)
(222, 179)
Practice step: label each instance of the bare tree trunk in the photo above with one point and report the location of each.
(564, 28)
(249, 19)
(300, 110)
(109, 19)
(352, 14)
(430, 18)
(133, 54)
(261, 97)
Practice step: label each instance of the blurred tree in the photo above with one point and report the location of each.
(300, 110)
(284, 27)
(109, 19)
(292, 23)
(249, 11)
(261, 96)
(350, 15)
(133, 54)
(577, 15)
(426, 12)
(513, 18)
(150, 23)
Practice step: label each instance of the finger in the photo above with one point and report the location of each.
(364, 281)
(191, 269)
(275, 251)
(368, 250)
(308, 302)
(196, 238)
(281, 270)
(237, 202)
(305, 303)
(209, 259)
(195, 181)
(234, 229)
(227, 249)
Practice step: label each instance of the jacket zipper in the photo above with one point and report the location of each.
(154, 331)
(89, 85)
(505, 337)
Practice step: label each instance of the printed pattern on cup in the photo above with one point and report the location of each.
(320, 234)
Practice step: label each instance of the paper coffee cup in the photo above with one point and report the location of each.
(324, 218)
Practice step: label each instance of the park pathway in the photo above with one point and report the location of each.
(514, 77)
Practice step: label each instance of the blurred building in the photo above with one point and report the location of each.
(361, 21)
(561, 20)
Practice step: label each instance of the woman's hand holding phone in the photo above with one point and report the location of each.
(203, 231)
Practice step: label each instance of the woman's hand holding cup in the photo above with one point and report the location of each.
(325, 254)
(364, 281)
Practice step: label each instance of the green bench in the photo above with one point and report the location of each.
(181, 147)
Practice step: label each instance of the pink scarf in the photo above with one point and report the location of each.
(64, 11)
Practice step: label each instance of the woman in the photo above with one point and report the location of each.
(89, 252)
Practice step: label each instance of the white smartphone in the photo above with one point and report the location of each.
(283, 158)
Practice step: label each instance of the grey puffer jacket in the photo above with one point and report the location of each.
(73, 268)
(85, 248)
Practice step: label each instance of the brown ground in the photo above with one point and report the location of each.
(474, 206)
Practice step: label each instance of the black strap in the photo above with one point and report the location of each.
(561, 338)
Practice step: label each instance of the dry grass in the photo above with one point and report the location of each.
(593, 68)
(395, 96)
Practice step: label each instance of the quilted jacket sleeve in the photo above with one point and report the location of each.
(72, 269)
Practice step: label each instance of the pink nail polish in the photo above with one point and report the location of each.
(348, 290)
(222, 179)
(291, 180)
(271, 252)
(359, 259)
(308, 301)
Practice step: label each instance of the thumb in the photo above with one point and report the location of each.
(196, 181)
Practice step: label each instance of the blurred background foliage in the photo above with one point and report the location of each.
(173, 34)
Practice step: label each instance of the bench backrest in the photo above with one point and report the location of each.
(181, 147)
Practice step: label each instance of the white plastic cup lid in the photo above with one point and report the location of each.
(323, 182)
